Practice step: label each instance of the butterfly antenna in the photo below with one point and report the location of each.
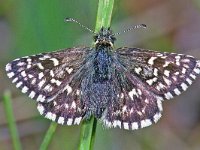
(73, 20)
(134, 27)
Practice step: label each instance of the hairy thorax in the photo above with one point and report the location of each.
(98, 90)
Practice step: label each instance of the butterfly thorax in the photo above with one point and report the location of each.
(101, 65)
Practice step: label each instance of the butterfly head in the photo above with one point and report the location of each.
(104, 37)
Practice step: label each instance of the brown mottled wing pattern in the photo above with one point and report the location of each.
(147, 78)
(48, 78)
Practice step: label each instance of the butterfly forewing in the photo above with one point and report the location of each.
(45, 75)
(164, 74)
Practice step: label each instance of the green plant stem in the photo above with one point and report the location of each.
(88, 128)
(47, 139)
(11, 121)
(104, 14)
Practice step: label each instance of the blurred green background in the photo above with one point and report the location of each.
(34, 26)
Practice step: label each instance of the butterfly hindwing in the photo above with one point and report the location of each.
(66, 108)
(138, 107)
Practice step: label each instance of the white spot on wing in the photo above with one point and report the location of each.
(69, 70)
(10, 74)
(167, 81)
(151, 81)
(48, 88)
(69, 121)
(160, 86)
(8, 67)
(168, 95)
(61, 120)
(73, 105)
(28, 60)
(40, 109)
(41, 98)
(145, 123)
(138, 70)
(166, 63)
(28, 66)
(159, 103)
(23, 74)
(151, 60)
(176, 91)
(51, 73)
(116, 123)
(40, 66)
(126, 126)
(48, 115)
(30, 76)
(55, 61)
(133, 92)
(77, 120)
(192, 76)
(134, 125)
(155, 72)
(18, 84)
(139, 91)
(69, 89)
(57, 82)
(156, 117)
(166, 72)
(15, 80)
(197, 70)
(33, 81)
(184, 86)
(124, 108)
(177, 58)
(183, 70)
(189, 81)
(24, 89)
(40, 75)
(53, 117)
(41, 83)
(32, 94)
(21, 63)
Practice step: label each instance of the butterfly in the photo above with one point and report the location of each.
(122, 87)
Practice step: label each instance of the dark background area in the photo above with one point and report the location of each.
(34, 26)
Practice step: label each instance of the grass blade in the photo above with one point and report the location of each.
(11, 120)
(47, 139)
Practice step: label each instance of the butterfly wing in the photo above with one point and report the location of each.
(67, 108)
(146, 78)
(164, 74)
(54, 81)
(136, 107)
(43, 76)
